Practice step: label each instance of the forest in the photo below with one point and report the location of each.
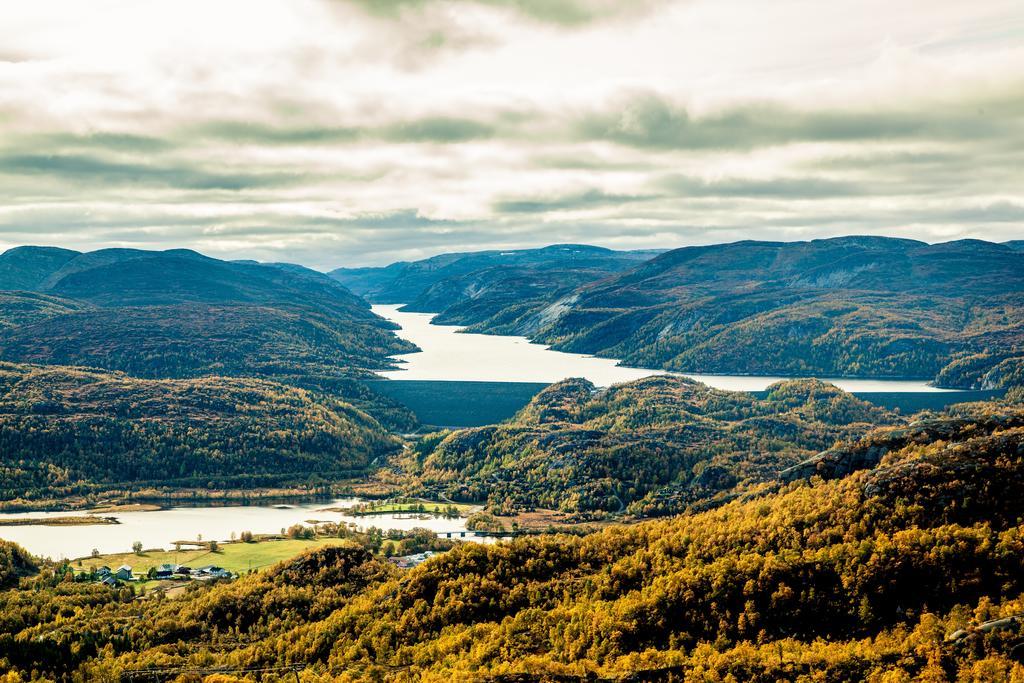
(905, 568)
(68, 431)
(650, 447)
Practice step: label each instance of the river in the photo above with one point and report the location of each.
(450, 354)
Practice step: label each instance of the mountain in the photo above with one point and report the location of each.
(67, 432)
(904, 569)
(444, 278)
(851, 306)
(179, 314)
(653, 446)
(28, 267)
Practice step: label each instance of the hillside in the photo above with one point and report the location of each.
(24, 308)
(67, 431)
(179, 314)
(28, 267)
(851, 306)
(653, 446)
(438, 282)
(904, 570)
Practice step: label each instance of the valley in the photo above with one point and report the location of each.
(409, 479)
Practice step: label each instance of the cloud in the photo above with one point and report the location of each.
(91, 170)
(771, 188)
(648, 120)
(442, 129)
(566, 13)
(570, 202)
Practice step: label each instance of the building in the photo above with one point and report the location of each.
(211, 572)
(408, 561)
(123, 573)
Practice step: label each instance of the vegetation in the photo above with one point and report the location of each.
(14, 563)
(76, 520)
(653, 446)
(896, 571)
(65, 431)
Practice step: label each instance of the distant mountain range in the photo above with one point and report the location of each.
(425, 285)
(851, 306)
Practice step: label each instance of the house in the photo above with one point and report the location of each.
(165, 571)
(103, 572)
(409, 561)
(182, 572)
(108, 580)
(123, 573)
(211, 572)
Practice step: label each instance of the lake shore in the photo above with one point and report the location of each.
(77, 520)
(117, 499)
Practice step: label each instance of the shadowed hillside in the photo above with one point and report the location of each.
(179, 314)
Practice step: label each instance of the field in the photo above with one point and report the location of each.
(236, 557)
(428, 507)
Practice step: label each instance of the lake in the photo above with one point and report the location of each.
(452, 355)
(160, 528)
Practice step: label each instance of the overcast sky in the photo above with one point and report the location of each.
(350, 132)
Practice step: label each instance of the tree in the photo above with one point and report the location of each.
(213, 546)
(137, 547)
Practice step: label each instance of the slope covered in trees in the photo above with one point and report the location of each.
(69, 431)
(180, 314)
(652, 446)
(908, 569)
(851, 306)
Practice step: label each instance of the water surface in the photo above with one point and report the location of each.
(450, 354)
(160, 528)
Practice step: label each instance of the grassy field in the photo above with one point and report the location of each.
(412, 507)
(235, 557)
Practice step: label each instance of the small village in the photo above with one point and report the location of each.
(176, 572)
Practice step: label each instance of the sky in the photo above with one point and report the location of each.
(360, 132)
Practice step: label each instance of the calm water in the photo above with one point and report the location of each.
(448, 354)
(159, 529)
